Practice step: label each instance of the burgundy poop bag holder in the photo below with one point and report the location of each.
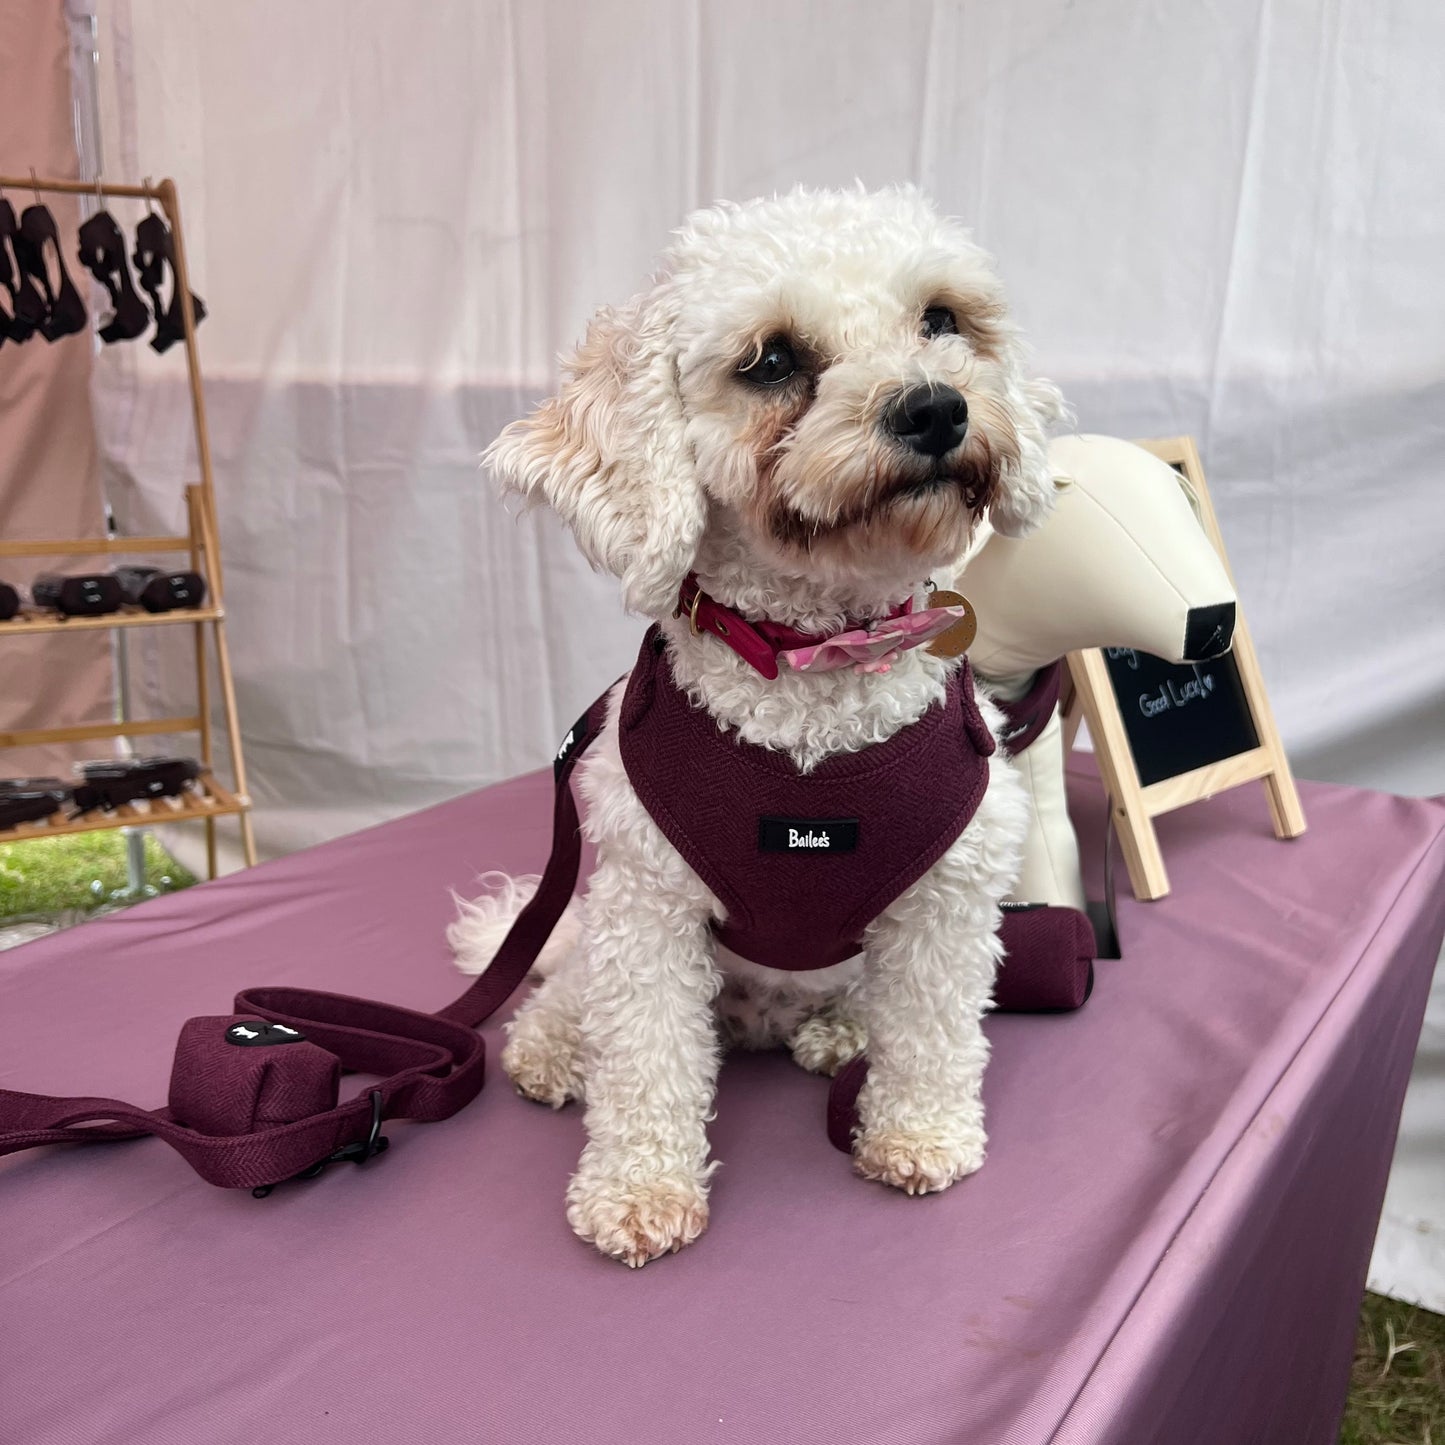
(253, 1094)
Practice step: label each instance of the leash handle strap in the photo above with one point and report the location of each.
(432, 1064)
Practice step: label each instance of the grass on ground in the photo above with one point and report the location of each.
(1397, 1390)
(76, 872)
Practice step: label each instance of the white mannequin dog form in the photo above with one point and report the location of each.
(734, 421)
(1121, 562)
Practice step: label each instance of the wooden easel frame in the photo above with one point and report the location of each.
(211, 800)
(1135, 806)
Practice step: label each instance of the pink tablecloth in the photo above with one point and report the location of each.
(1166, 1247)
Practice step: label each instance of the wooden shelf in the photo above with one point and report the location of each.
(209, 800)
(96, 546)
(31, 619)
(94, 732)
(206, 798)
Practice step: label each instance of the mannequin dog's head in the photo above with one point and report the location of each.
(827, 379)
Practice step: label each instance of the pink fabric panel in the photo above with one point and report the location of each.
(49, 479)
(1228, 1096)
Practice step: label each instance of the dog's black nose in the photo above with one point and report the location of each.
(929, 419)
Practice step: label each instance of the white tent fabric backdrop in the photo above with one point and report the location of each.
(1225, 220)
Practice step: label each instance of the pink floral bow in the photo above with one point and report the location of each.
(874, 649)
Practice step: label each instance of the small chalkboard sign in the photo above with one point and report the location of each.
(1167, 734)
(1180, 716)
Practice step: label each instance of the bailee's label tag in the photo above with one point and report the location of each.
(807, 835)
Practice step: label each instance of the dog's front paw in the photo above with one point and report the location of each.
(824, 1043)
(638, 1218)
(542, 1067)
(921, 1162)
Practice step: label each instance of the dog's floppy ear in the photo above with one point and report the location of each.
(1026, 496)
(609, 453)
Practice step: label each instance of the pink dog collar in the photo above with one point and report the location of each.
(764, 645)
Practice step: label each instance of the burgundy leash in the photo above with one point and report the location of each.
(253, 1097)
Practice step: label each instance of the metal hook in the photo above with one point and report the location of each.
(150, 200)
(35, 186)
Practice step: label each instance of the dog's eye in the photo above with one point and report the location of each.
(775, 364)
(939, 321)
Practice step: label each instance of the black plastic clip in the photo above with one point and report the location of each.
(375, 1143)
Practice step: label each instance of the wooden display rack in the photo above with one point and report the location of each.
(208, 799)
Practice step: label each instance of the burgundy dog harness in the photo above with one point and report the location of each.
(255, 1095)
(802, 862)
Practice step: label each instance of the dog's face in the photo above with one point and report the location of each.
(831, 377)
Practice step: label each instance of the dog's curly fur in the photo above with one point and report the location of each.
(794, 502)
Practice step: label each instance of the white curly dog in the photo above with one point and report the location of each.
(740, 421)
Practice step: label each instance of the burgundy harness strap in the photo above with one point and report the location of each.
(1026, 717)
